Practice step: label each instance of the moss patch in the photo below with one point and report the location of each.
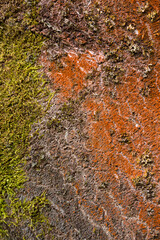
(21, 89)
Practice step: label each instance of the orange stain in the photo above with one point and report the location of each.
(108, 119)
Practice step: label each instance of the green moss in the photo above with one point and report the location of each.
(21, 89)
(67, 111)
(54, 123)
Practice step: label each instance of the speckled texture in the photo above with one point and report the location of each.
(101, 148)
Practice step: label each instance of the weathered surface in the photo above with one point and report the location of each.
(97, 155)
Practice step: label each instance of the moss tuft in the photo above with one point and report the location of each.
(21, 89)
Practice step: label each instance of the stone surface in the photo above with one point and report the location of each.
(98, 149)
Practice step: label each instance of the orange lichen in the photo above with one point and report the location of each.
(120, 129)
(75, 67)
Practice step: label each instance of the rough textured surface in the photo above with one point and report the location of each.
(97, 152)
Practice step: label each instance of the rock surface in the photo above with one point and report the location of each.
(97, 152)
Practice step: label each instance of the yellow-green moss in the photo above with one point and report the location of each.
(21, 89)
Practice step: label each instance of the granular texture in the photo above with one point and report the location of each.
(103, 61)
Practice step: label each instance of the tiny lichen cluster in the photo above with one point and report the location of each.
(21, 89)
(145, 182)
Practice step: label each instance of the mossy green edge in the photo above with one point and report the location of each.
(22, 87)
